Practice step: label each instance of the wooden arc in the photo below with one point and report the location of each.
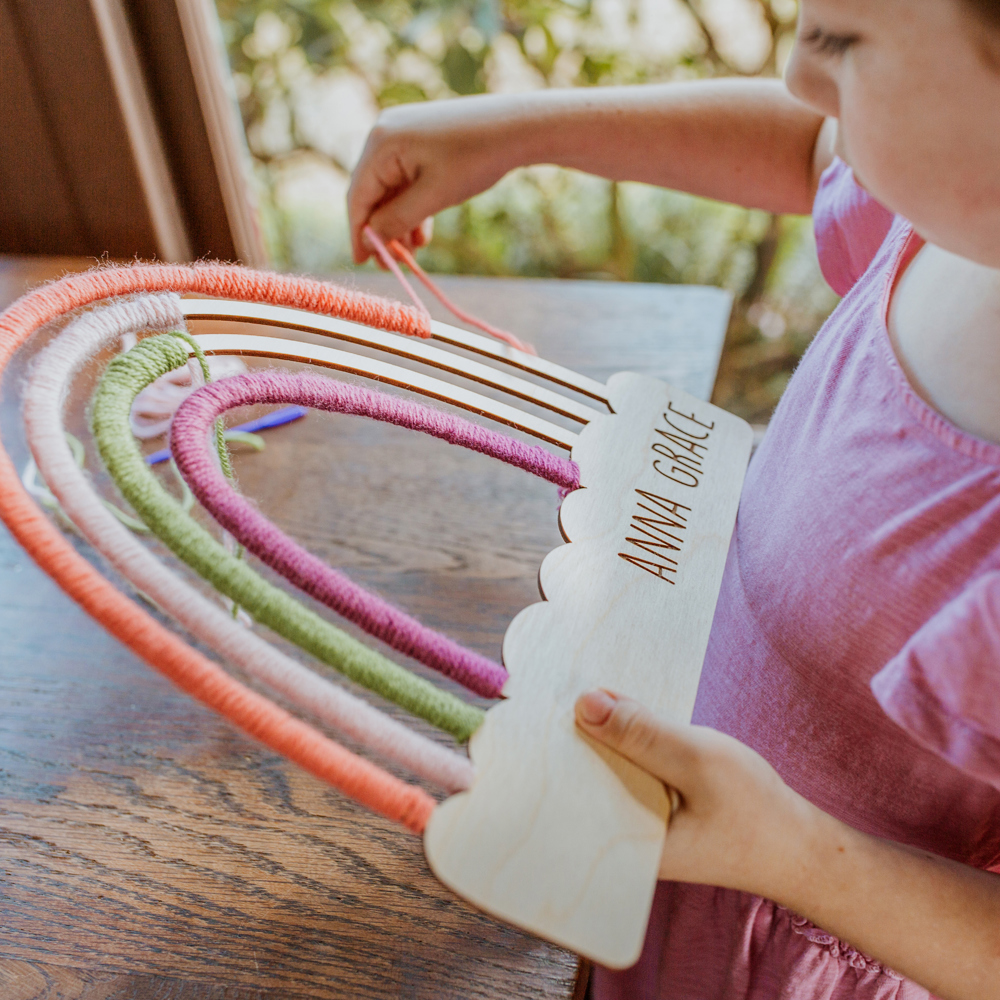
(420, 350)
(248, 345)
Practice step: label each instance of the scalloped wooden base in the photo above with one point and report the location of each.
(558, 835)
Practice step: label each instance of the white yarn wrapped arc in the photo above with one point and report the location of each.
(44, 401)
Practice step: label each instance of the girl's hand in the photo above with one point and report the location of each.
(422, 158)
(738, 825)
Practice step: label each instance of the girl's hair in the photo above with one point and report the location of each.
(988, 10)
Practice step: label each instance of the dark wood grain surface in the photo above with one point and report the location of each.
(147, 850)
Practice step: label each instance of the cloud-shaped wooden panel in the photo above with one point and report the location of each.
(558, 835)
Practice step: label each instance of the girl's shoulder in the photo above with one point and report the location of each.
(850, 226)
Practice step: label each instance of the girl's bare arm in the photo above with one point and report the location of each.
(743, 141)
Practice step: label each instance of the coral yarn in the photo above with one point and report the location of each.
(157, 645)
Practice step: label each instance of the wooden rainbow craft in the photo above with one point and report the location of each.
(540, 826)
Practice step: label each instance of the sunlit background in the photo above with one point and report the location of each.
(311, 76)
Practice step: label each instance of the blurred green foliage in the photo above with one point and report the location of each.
(311, 76)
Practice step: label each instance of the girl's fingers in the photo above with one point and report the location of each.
(377, 179)
(391, 221)
(635, 733)
(399, 217)
(423, 234)
(420, 236)
(364, 194)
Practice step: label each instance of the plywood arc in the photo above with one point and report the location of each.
(418, 349)
(426, 385)
(492, 348)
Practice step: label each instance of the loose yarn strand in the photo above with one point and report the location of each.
(390, 262)
(425, 279)
(219, 430)
(35, 484)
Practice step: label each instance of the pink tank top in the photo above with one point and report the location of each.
(856, 644)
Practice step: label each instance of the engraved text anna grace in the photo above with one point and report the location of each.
(659, 522)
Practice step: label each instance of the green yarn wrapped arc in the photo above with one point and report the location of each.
(126, 376)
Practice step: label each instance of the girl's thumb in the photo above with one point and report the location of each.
(631, 730)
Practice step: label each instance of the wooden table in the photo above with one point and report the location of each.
(149, 850)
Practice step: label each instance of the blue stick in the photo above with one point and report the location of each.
(283, 416)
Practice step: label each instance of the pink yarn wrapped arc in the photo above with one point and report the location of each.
(190, 447)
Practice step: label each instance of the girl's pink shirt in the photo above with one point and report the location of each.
(856, 644)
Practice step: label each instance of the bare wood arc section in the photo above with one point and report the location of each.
(292, 350)
(412, 348)
(557, 835)
(331, 326)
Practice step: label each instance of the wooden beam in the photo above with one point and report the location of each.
(140, 124)
(121, 136)
(219, 107)
(81, 133)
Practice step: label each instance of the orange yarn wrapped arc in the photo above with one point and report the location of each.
(158, 646)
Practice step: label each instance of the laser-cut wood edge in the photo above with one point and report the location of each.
(518, 359)
(292, 350)
(558, 835)
(299, 319)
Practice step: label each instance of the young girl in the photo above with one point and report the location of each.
(844, 772)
